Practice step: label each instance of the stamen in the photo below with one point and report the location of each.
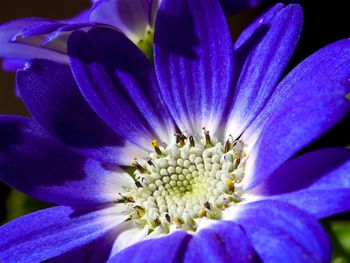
(157, 221)
(177, 135)
(149, 161)
(228, 146)
(138, 184)
(138, 166)
(230, 184)
(207, 205)
(237, 160)
(155, 145)
(139, 210)
(178, 221)
(180, 139)
(167, 217)
(207, 137)
(192, 143)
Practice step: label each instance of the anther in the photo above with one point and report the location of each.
(157, 221)
(207, 205)
(167, 217)
(237, 160)
(125, 198)
(203, 212)
(138, 166)
(139, 210)
(207, 137)
(122, 199)
(177, 135)
(155, 145)
(227, 146)
(149, 161)
(178, 221)
(180, 139)
(138, 184)
(230, 184)
(192, 143)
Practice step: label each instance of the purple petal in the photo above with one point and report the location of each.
(57, 40)
(307, 114)
(36, 29)
(9, 64)
(264, 63)
(94, 252)
(61, 109)
(51, 232)
(329, 63)
(35, 163)
(222, 242)
(193, 59)
(120, 84)
(130, 17)
(319, 202)
(280, 232)
(317, 182)
(21, 50)
(251, 36)
(170, 248)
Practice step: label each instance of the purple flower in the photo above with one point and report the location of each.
(28, 38)
(25, 39)
(231, 191)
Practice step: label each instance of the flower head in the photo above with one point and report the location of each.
(210, 131)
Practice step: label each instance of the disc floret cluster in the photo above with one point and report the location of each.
(181, 183)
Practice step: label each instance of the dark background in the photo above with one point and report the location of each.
(325, 22)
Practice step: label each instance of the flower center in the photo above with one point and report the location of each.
(146, 43)
(181, 183)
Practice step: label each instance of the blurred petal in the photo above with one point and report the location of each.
(297, 122)
(280, 232)
(193, 62)
(120, 84)
(35, 163)
(233, 6)
(22, 50)
(61, 109)
(264, 63)
(317, 182)
(9, 64)
(35, 29)
(51, 232)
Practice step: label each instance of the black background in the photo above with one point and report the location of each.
(325, 22)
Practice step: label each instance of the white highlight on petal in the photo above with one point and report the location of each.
(129, 234)
(131, 17)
